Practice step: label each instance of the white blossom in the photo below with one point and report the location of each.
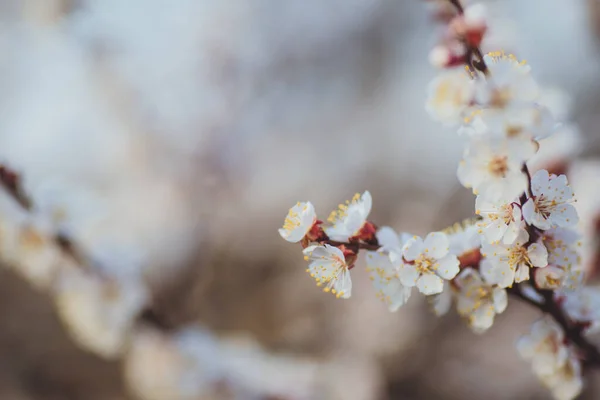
(386, 280)
(493, 168)
(442, 302)
(555, 363)
(501, 220)
(478, 300)
(299, 221)
(464, 239)
(550, 205)
(526, 122)
(511, 263)
(507, 82)
(328, 267)
(349, 218)
(567, 382)
(564, 269)
(99, 313)
(428, 262)
(544, 347)
(449, 96)
(583, 306)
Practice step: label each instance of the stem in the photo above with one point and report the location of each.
(477, 61)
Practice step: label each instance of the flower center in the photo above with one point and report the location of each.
(425, 265)
(498, 166)
(501, 97)
(291, 222)
(513, 131)
(518, 255)
(544, 206)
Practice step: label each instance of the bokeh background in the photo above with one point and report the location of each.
(168, 138)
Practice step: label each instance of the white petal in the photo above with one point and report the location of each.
(367, 203)
(538, 254)
(512, 232)
(482, 318)
(429, 284)
(448, 267)
(436, 245)
(494, 230)
(343, 285)
(522, 273)
(539, 182)
(413, 248)
(565, 215)
(388, 238)
(500, 299)
(408, 275)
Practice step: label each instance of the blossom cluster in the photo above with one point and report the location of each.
(523, 240)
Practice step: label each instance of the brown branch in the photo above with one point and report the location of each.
(474, 55)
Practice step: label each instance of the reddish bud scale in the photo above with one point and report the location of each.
(367, 233)
(470, 259)
(316, 232)
(474, 37)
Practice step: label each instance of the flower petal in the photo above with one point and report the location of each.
(408, 275)
(413, 248)
(436, 245)
(500, 300)
(448, 267)
(429, 284)
(538, 254)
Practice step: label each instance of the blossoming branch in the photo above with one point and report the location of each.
(523, 241)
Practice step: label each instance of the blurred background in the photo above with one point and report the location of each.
(168, 139)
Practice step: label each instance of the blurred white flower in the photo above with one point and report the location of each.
(478, 300)
(386, 279)
(442, 302)
(557, 150)
(328, 267)
(511, 263)
(348, 220)
(384, 266)
(449, 96)
(544, 347)
(583, 306)
(567, 382)
(463, 239)
(428, 262)
(159, 367)
(98, 312)
(493, 169)
(527, 122)
(508, 82)
(298, 223)
(501, 220)
(564, 269)
(550, 205)
(552, 360)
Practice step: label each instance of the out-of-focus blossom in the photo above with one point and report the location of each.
(98, 312)
(478, 300)
(449, 96)
(492, 169)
